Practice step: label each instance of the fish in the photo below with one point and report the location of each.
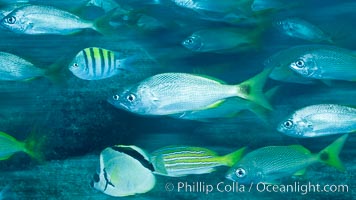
(40, 19)
(272, 163)
(10, 145)
(172, 93)
(323, 62)
(302, 29)
(217, 40)
(225, 6)
(281, 71)
(319, 120)
(124, 170)
(309, 63)
(106, 5)
(263, 5)
(176, 161)
(94, 63)
(15, 68)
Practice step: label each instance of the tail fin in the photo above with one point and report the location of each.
(261, 112)
(252, 89)
(53, 72)
(330, 155)
(34, 146)
(102, 24)
(232, 158)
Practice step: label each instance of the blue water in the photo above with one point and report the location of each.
(79, 123)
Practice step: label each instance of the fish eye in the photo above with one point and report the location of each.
(96, 178)
(288, 124)
(190, 40)
(75, 65)
(299, 63)
(131, 98)
(240, 172)
(116, 97)
(10, 20)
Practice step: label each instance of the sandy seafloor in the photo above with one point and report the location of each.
(78, 122)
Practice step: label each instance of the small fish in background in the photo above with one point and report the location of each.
(323, 62)
(272, 163)
(10, 145)
(94, 63)
(299, 28)
(265, 5)
(319, 120)
(38, 20)
(225, 6)
(15, 68)
(222, 40)
(172, 93)
(175, 161)
(149, 23)
(308, 63)
(106, 5)
(124, 171)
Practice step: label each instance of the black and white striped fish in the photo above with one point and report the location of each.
(177, 161)
(124, 170)
(96, 63)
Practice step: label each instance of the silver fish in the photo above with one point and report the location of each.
(215, 40)
(172, 93)
(319, 120)
(14, 68)
(323, 62)
(299, 28)
(37, 19)
(224, 6)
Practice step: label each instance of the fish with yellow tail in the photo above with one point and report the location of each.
(178, 161)
(272, 163)
(10, 145)
(172, 93)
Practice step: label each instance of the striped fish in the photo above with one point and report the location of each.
(96, 63)
(177, 161)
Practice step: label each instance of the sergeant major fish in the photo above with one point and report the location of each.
(38, 19)
(124, 170)
(95, 63)
(319, 120)
(272, 163)
(172, 93)
(177, 160)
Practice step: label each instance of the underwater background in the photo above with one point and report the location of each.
(78, 122)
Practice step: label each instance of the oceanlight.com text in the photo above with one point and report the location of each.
(234, 187)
